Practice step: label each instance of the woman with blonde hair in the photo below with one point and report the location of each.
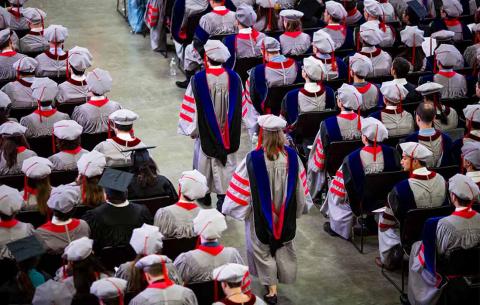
(293, 41)
(90, 169)
(37, 186)
(269, 191)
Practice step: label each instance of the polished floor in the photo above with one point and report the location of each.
(330, 270)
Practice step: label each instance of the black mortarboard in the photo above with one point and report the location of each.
(139, 154)
(25, 248)
(115, 179)
(418, 9)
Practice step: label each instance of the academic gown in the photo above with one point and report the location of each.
(113, 150)
(381, 61)
(176, 221)
(17, 22)
(473, 135)
(207, 116)
(340, 71)
(51, 65)
(452, 119)
(454, 84)
(354, 18)
(426, 190)
(22, 154)
(295, 43)
(12, 231)
(40, 122)
(470, 55)
(459, 230)
(161, 187)
(243, 45)
(196, 266)
(33, 42)
(113, 226)
(93, 115)
(462, 32)
(439, 144)
(72, 91)
(342, 35)
(350, 176)
(165, 293)
(370, 95)
(56, 237)
(154, 19)
(397, 121)
(20, 93)
(342, 127)
(7, 59)
(67, 159)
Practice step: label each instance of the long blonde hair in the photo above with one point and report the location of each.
(273, 142)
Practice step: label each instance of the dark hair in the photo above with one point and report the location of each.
(111, 301)
(426, 112)
(4, 217)
(116, 197)
(154, 270)
(136, 282)
(63, 216)
(350, 5)
(463, 202)
(85, 273)
(43, 188)
(123, 127)
(412, 16)
(234, 285)
(77, 72)
(419, 57)
(401, 67)
(212, 62)
(24, 282)
(46, 103)
(371, 143)
(293, 26)
(67, 144)
(9, 148)
(422, 163)
(4, 114)
(93, 192)
(264, 12)
(431, 98)
(145, 172)
(5, 44)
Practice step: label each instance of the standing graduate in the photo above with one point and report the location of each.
(154, 19)
(176, 220)
(15, 11)
(371, 36)
(345, 126)
(446, 118)
(67, 134)
(110, 290)
(74, 89)
(62, 229)
(348, 184)
(212, 114)
(324, 52)
(111, 224)
(374, 13)
(293, 41)
(8, 56)
(41, 121)
(424, 189)
(14, 148)
(269, 192)
(10, 228)
(20, 90)
(37, 186)
(53, 62)
(93, 115)
(114, 148)
(334, 16)
(34, 41)
(360, 67)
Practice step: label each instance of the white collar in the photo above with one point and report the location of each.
(120, 205)
(346, 112)
(58, 222)
(391, 107)
(7, 50)
(43, 108)
(475, 132)
(461, 209)
(36, 30)
(400, 81)
(368, 49)
(311, 87)
(245, 31)
(474, 175)
(422, 171)
(446, 70)
(215, 67)
(78, 78)
(97, 98)
(219, 8)
(124, 136)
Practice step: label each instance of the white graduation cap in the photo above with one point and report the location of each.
(471, 152)
(78, 250)
(99, 81)
(10, 200)
(416, 151)
(270, 122)
(12, 129)
(393, 92)
(230, 273)
(63, 198)
(360, 64)
(123, 117)
(216, 50)
(453, 8)
(67, 130)
(146, 240)
(37, 167)
(109, 288)
(412, 36)
(463, 187)
(336, 10)
(193, 184)
(209, 224)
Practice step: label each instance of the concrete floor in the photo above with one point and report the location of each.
(330, 270)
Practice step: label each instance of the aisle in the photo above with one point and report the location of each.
(331, 271)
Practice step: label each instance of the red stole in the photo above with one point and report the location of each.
(161, 284)
(465, 213)
(98, 103)
(187, 205)
(73, 151)
(45, 113)
(8, 223)
(49, 226)
(215, 250)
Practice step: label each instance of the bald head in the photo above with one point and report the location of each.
(426, 112)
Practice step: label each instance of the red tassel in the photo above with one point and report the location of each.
(334, 62)
(53, 142)
(413, 53)
(109, 129)
(349, 74)
(120, 294)
(25, 188)
(375, 145)
(260, 137)
(358, 41)
(215, 290)
(359, 123)
(269, 19)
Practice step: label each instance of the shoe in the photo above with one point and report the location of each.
(207, 200)
(378, 262)
(183, 84)
(404, 299)
(328, 229)
(220, 200)
(271, 300)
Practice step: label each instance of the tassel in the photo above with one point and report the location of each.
(334, 62)
(53, 142)
(145, 246)
(359, 123)
(215, 290)
(119, 291)
(435, 68)
(411, 161)
(64, 269)
(413, 54)
(269, 19)
(260, 138)
(349, 74)
(109, 130)
(25, 188)
(358, 41)
(84, 188)
(375, 145)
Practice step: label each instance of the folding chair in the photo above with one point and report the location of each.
(90, 140)
(173, 247)
(33, 217)
(275, 95)
(18, 113)
(112, 257)
(337, 151)
(205, 292)
(63, 177)
(69, 106)
(15, 181)
(154, 203)
(41, 145)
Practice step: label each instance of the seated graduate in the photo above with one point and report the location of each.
(114, 147)
(67, 134)
(315, 96)
(450, 11)
(436, 40)
(74, 89)
(268, 18)
(34, 41)
(40, 122)
(424, 189)
(470, 53)
(293, 41)
(459, 230)
(161, 290)
(111, 224)
(439, 143)
(397, 121)
(53, 292)
(345, 126)
(93, 115)
(146, 240)
(446, 118)
(5, 106)
(472, 130)
(14, 148)
(53, 62)
(413, 13)
(334, 16)
(62, 229)
(373, 12)
(90, 169)
(374, 157)
(37, 186)
(471, 160)
(233, 278)
(360, 67)
(196, 266)
(15, 15)
(324, 52)
(354, 16)
(8, 56)
(399, 71)
(10, 228)
(454, 84)
(110, 290)
(176, 220)
(370, 37)
(389, 14)
(20, 90)
(413, 38)
(146, 182)
(20, 288)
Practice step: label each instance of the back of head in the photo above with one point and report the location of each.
(401, 67)
(426, 112)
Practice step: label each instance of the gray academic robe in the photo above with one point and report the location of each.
(453, 85)
(436, 147)
(17, 23)
(239, 204)
(38, 126)
(175, 221)
(56, 238)
(452, 120)
(154, 20)
(470, 55)
(112, 149)
(337, 36)
(173, 295)
(215, 24)
(309, 103)
(66, 160)
(20, 93)
(7, 235)
(196, 266)
(381, 61)
(246, 45)
(17, 168)
(397, 123)
(327, 63)
(257, 301)
(369, 93)
(72, 91)
(50, 65)
(93, 116)
(33, 42)
(124, 270)
(296, 44)
(7, 59)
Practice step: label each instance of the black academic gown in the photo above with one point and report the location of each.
(162, 187)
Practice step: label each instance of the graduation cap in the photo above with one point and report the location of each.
(114, 179)
(139, 154)
(26, 248)
(418, 9)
